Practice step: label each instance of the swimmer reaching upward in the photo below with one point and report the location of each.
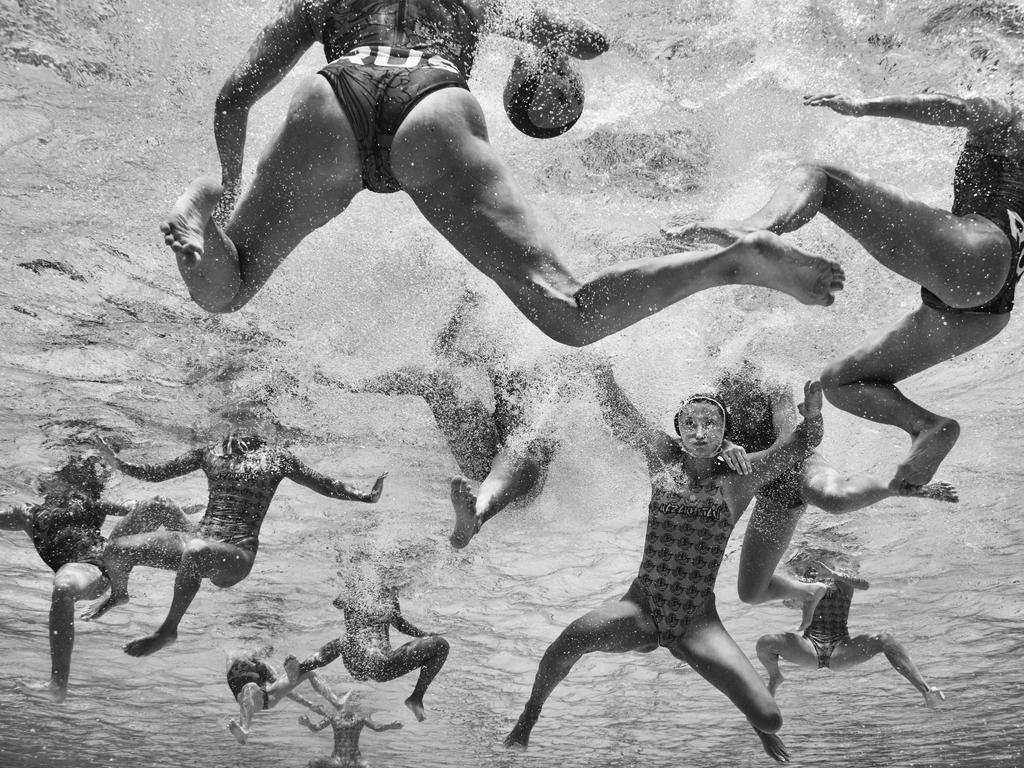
(826, 642)
(366, 647)
(967, 262)
(65, 530)
(762, 414)
(346, 722)
(695, 503)
(392, 111)
(243, 473)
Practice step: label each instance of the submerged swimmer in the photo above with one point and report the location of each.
(243, 474)
(65, 530)
(967, 262)
(346, 722)
(695, 503)
(257, 686)
(392, 111)
(762, 415)
(826, 642)
(366, 648)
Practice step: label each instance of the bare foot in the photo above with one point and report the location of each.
(464, 502)
(771, 262)
(43, 691)
(773, 746)
(774, 681)
(416, 707)
(291, 670)
(185, 227)
(724, 232)
(929, 448)
(239, 732)
(936, 491)
(933, 697)
(144, 646)
(100, 607)
(810, 604)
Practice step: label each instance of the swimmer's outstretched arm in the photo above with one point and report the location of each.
(369, 723)
(852, 581)
(277, 48)
(398, 622)
(976, 113)
(153, 473)
(626, 421)
(300, 473)
(304, 720)
(548, 29)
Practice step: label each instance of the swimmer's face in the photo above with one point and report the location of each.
(701, 428)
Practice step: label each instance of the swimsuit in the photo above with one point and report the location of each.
(687, 530)
(386, 55)
(991, 185)
(245, 671)
(67, 530)
(828, 627)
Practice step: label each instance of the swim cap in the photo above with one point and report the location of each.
(544, 95)
(701, 399)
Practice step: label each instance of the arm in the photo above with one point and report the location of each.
(304, 720)
(851, 581)
(368, 722)
(398, 622)
(626, 422)
(795, 446)
(154, 473)
(547, 29)
(975, 113)
(300, 473)
(275, 51)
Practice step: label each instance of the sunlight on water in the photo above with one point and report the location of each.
(105, 114)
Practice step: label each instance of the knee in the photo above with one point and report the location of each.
(882, 639)
(768, 720)
(63, 590)
(766, 644)
(835, 375)
(438, 646)
(749, 591)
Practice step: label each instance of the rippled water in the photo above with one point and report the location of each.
(105, 112)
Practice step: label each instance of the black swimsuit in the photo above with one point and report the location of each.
(67, 530)
(386, 55)
(991, 185)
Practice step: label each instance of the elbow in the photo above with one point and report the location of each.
(232, 98)
(589, 43)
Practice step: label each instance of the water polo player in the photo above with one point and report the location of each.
(695, 503)
(243, 473)
(392, 111)
(967, 262)
(65, 530)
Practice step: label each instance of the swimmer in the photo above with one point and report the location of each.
(762, 414)
(257, 686)
(392, 111)
(967, 262)
(346, 722)
(243, 474)
(65, 530)
(366, 647)
(695, 502)
(826, 642)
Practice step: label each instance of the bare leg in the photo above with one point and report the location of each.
(482, 212)
(250, 701)
(863, 383)
(306, 178)
(155, 550)
(791, 647)
(827, 489)
(224, 564)
(859, 649)
(150, 515)
(768, 535)
(428, 654)
(74, 581)
(614, 628)
(714, 655)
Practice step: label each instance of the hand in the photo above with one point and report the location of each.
(304, 720)
(844, 105)
(106, 452)
(810, 408)
(735, 457)
(377, 489)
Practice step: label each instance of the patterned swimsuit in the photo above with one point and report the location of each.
(687, 530)
(828, 627)
(67, 530)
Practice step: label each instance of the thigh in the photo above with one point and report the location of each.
(920, 340)
(715, 656)
(615, 627)
(83, 581)
(768, 534)
(853, 651)
(797, 649)
(930, 246)
(307, 176)
(445, 162)
(405, 659)
(162, 549)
